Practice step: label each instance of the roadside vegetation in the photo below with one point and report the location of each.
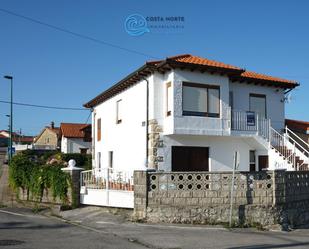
(36, 174)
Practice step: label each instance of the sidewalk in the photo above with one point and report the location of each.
(6, 195)
(181, 236)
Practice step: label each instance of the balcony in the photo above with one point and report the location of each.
(245, 122)
(230, 122)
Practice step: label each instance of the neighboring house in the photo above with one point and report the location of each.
(48, 139)
(20, 142)
(75, 138)
(300, 128)
(188, 113)
(4, 141)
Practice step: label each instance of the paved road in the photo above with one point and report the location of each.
(29, 231)
(94, 228)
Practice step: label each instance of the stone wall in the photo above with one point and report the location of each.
(266, 198)
(153, 143)
(47, 197)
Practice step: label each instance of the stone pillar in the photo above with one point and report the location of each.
(153, 142)
(140, 194)
(278, 187)
(75, 184)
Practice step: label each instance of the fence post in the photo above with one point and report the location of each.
(75, 174)
(107, 186)
(140, 194)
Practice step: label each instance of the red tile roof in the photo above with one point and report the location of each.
(297, 125)
(253, 75)
(73, 130)
(194, 63)
(191, 59)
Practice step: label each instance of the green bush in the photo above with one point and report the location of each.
(28, 174)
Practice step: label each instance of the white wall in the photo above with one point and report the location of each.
(274, 105)
(199, 125)
(127, 140)
(221, 150)
(73, 145)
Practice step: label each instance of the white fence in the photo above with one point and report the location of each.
(107, 187)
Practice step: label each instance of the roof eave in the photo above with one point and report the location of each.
(213, 69)
(281, 84)
(137, 73)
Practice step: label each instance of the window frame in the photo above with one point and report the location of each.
(258, 95)
(168, 112)
(253, 164)
(110, 159)
(118, 119)
(201, 114)
(99, 131)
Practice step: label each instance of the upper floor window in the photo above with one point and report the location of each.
(258, 104)
(200, 100)
(169, 99)
(119, 111)
(99, 129)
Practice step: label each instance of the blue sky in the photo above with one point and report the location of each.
(58, 69)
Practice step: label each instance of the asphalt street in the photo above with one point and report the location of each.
(22, 229)
(95, 228)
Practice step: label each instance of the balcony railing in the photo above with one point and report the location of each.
(108, 179)
(250, 122)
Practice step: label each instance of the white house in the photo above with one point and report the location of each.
(187, 113)
(75, 138)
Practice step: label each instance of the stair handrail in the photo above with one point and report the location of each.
(287, 130)
(276, 132)
(305, 150)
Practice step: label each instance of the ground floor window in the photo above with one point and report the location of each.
(186, 158)
(83, 150)
(99, 160)
(252, 160)
(110, 159)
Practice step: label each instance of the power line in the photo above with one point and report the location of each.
(45, 106)
(88, 118)
(75, 33)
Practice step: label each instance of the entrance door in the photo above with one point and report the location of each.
(263, 162)
(190, 158)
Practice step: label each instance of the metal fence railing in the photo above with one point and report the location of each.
(108, 179)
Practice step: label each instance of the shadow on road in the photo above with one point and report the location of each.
(266, 246)
(26, 225)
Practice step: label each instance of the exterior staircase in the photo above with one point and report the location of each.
(288, 149)
(291, 148)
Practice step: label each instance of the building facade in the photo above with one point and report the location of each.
(188, 113)
(48, 139)
(75, 138)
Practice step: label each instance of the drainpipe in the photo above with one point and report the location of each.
(147, 118)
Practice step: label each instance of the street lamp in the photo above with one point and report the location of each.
(8, 77)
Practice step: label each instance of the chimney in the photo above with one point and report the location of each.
(52, 124)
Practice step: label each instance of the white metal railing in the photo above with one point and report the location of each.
(249, 121)
(301, 144)
(290, 149)
(302, 151)
(108, 179)
(279, 143)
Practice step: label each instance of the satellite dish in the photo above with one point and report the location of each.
(287, 98)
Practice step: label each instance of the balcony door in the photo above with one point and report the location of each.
(186, 158)
(258, 104)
